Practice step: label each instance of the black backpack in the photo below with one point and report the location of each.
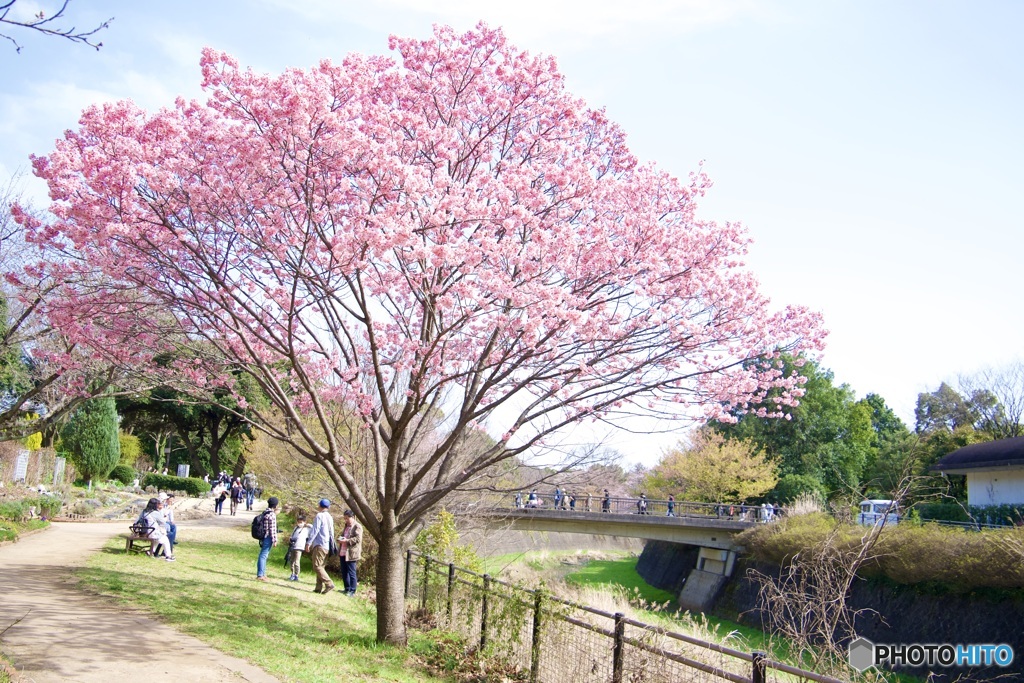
(258, 524)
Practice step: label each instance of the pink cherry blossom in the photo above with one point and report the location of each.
(417, 246)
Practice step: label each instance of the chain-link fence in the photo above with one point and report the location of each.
(550, 639)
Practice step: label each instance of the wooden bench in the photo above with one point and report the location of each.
(138, 534)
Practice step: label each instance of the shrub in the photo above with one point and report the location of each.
(952, 559)
(945, 512)
(1008, 515)
(90, 437)
(779, 542)
(82, 508)
(49, 506)
(13, 510)
(123, 473)
(131, 448)
(190, 485)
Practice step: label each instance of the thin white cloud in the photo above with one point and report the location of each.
(579, 21)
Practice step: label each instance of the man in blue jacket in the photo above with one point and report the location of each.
(318, 546)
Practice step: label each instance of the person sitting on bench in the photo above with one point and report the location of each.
(153, 517)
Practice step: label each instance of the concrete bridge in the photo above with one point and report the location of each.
(703, 530)
(712, 528)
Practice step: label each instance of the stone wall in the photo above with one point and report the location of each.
(666, 565)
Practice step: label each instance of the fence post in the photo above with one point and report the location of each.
(426, 579)
(408, 572)
(483, 612)
(535, 643)
(620, 634)
(758, 674)
(451, 587)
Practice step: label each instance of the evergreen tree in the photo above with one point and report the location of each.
(90, 438)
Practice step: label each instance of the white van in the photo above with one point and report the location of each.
(876, 511)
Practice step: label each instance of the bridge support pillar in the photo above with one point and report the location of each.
(706, 580)
(716, 561)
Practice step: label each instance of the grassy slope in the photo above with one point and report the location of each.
(622, 572)
(282, 627)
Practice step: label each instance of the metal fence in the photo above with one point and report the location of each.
(550, 639)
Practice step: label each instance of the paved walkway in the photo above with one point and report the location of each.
(55, 632)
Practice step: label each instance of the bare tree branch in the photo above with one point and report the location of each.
(44, 24)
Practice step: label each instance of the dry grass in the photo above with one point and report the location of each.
(954, 559)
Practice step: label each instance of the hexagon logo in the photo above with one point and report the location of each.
(862, 654)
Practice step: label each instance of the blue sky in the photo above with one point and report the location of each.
(872, 148)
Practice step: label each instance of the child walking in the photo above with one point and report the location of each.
(297, 544)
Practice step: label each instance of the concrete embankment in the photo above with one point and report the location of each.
(887, 612)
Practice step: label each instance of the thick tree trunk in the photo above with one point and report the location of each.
(391, 590)
(239, 469)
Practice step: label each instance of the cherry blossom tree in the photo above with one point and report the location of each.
(425, 248)
(43, 374)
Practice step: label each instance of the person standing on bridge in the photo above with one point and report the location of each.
(671, 506)
(558, 498)
(606, 502)
(641, 505)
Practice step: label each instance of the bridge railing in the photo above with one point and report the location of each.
(546, 638)
(642, 506)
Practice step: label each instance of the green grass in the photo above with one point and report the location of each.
(282, 627)
(10, 531)
(622, 573)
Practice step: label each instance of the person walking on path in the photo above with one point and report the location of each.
(297, 544)
(319, 544)
(249, 484)
(220, 494)
(350, 548)
(237, 496)
(269, 540)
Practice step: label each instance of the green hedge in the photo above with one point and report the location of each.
(1006, 515)
(163, 482)
(942, 512)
